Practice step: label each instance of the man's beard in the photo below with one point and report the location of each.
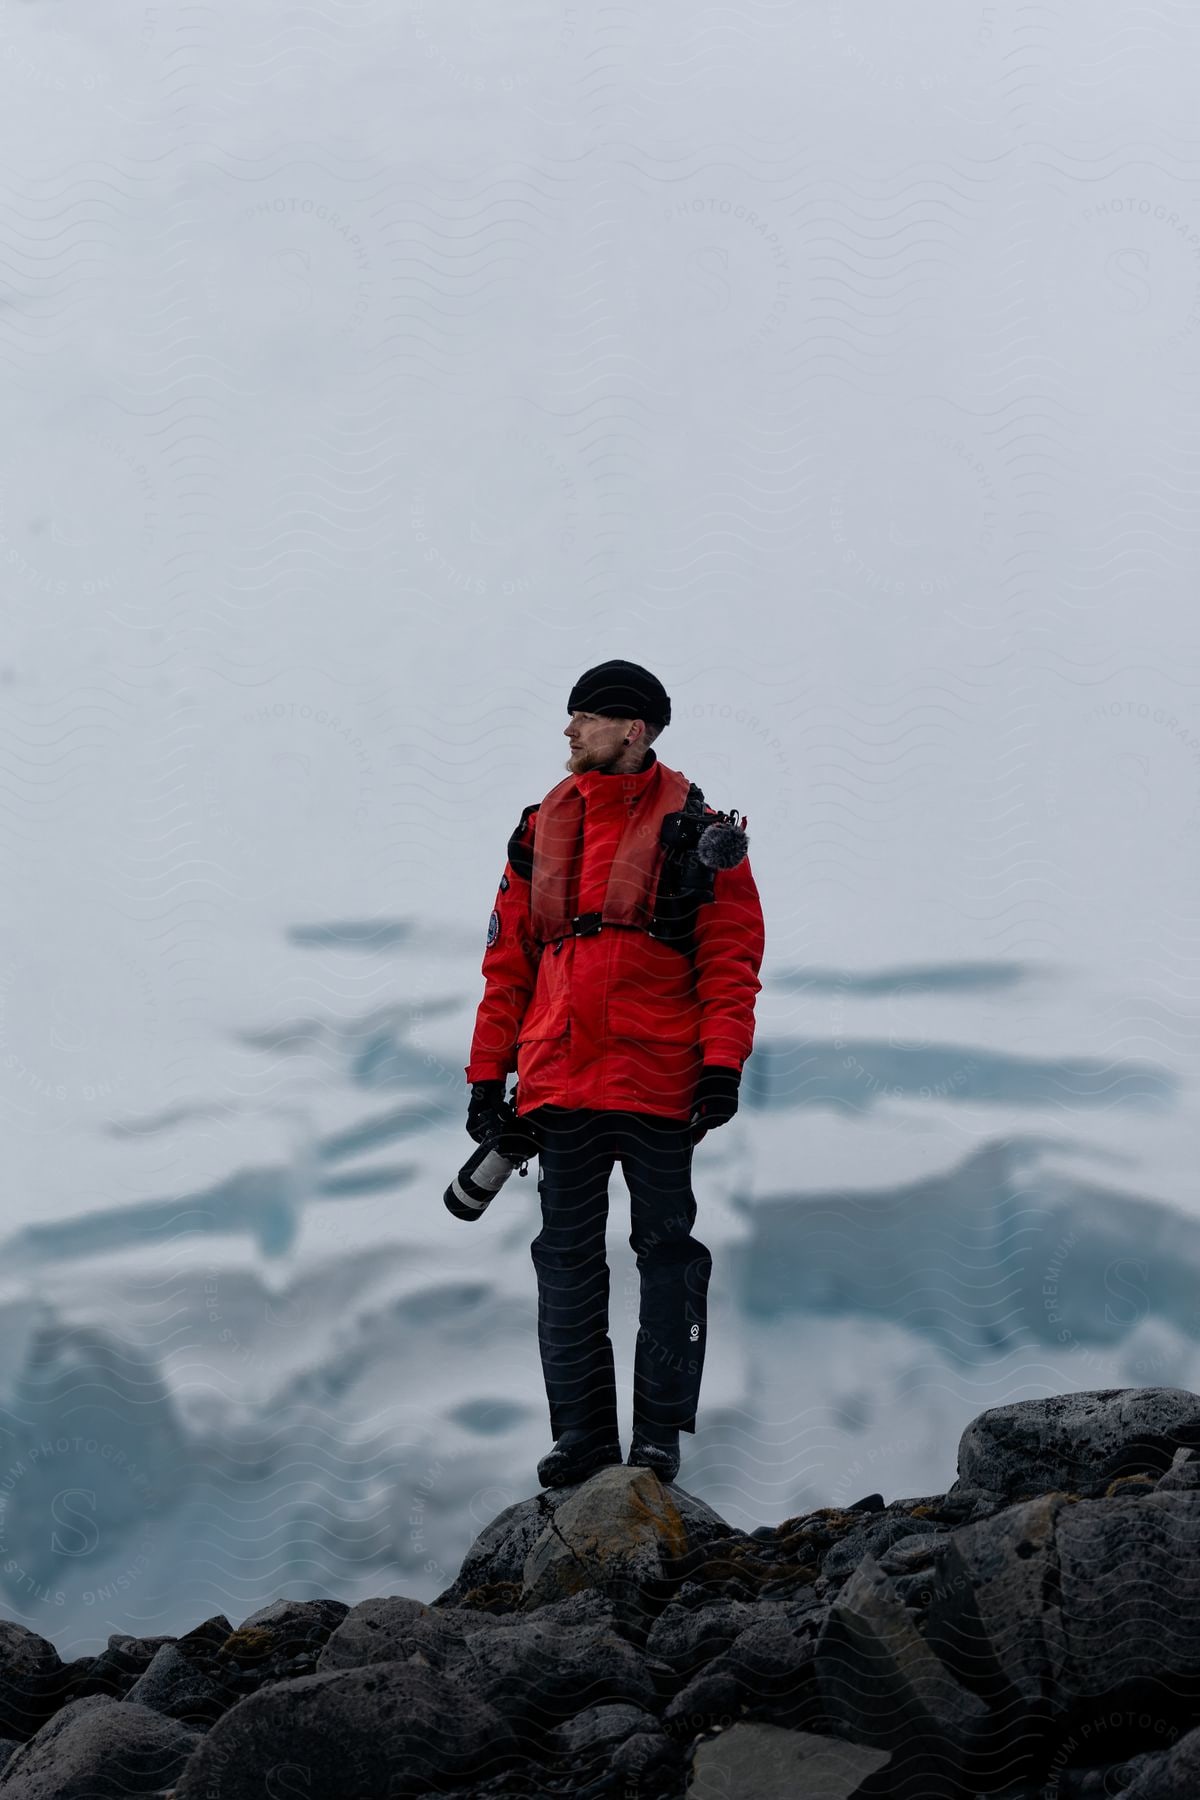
(581, 761)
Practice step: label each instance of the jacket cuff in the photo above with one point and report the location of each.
(488, 1069)
(722, 1055)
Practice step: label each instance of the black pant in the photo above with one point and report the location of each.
(576, 1157)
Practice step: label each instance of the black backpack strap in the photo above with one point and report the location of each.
(681, 830)
(520, 855)
(684, 883)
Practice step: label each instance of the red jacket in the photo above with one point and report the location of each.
(616, 1021)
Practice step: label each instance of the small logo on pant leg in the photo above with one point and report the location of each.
(694, 1333)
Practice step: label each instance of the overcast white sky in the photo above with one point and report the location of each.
(370, 370)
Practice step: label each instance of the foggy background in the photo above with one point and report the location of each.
(370, 371)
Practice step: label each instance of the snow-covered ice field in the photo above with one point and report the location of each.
(369, 372)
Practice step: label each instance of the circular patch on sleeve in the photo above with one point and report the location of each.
(504, 884)
(493, 929)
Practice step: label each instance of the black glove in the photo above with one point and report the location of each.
(489, 1112)
(716, 1099)
(521, 1141)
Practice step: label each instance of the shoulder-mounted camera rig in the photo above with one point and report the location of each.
(696, 845)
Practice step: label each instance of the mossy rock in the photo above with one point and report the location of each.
(1129, 1484)
(251, 1643)
(492, 1597)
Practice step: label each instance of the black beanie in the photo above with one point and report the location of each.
(623, 690)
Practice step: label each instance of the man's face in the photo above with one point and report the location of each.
(595, 740)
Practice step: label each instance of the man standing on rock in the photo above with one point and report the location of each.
(621, 972)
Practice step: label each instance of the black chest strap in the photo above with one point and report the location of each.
(684, 883)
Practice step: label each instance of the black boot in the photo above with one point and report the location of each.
(576, 1455)
(655, 1447)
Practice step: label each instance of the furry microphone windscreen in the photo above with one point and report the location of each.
(722, 846)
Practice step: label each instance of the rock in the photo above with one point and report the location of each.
(736, 1655)
(915, 1591)
(957, 1643)
(882, 1686)
(992, 1613)
(74, 1674)
(210, 1635)
(773, 1764)
(395, 1628)
(1069, 1440)
(1098, 1781)
(841, 1539)
(642, 1757)
(1171, 1775)
(878, 1533)
(509, 1784)
(597, 1730)
(1129, 1594)
(613, 1534)
(1054, 1605)
(33, 1680)
(499, 1553)
(198, 1677)
(935, 1509)
(741, 1566)
(909, 1554)
(701, 1525)
(538, 1672)
(188, 1685)
(691, 1594)
(8, 1749)
(966, 1505)
(97, 1748)
(713, 1698)
(805, 1612)
(392, 1728)
(115, 1669)
(687, 1638)
(953, 1508)
(285, 1627)
(775, 1669)
(1183, 1476)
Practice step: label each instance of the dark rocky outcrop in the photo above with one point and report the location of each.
(34, 1681)
(1074, 1439)
(115, 1669)
(390, 1728)
(1033, 1634)
(98, 1748)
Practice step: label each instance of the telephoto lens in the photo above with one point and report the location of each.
(485, 1171)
